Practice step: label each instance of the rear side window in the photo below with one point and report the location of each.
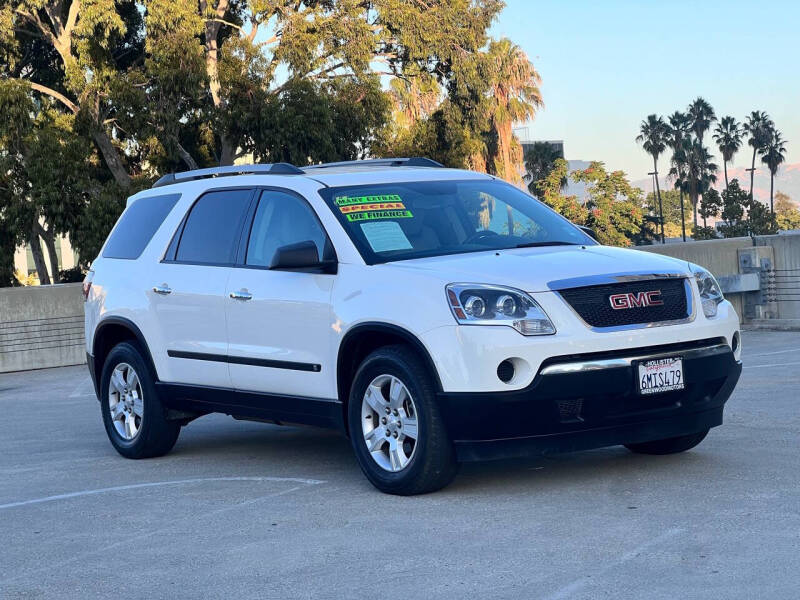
(137, 226)
(211, 232)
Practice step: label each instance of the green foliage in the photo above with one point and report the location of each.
(710, 204)
(550, 192)
(539, 163)
(613, 206)
(743, 216)
(671, 203)
(787, 213)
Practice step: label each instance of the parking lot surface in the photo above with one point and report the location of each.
(249, 510)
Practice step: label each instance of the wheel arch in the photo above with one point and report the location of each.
(110, 332)
(365, 338)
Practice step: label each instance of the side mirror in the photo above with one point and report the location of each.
(300, 256)
(588, 231)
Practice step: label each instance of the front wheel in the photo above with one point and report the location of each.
(396, 430)
(669, 446)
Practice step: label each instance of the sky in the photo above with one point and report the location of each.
(606, 65)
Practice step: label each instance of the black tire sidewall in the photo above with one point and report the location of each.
(418, 382)
(153, 420)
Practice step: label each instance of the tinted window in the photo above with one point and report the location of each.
(212, 228)
(137, 225)
(398, 221)
(282, 219)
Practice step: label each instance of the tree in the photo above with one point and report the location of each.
(679, 130)
(741, 215)
(653, 135)
(728, 135)
(773, 154)
(551, 188)
(757, 125)
(710, 205)
(701, 172)
(671, 203)
(513, 96)
(613, 206)
(539, 162)
(787, 213)
(701, 115)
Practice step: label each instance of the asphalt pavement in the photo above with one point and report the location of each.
(249, 510)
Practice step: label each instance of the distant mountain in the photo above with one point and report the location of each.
(787, 181)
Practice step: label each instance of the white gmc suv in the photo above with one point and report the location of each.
(432, 315)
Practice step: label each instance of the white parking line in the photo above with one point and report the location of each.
(789, 364)
(124, 542)
(134, 486)
(776, 352)
(570, 589)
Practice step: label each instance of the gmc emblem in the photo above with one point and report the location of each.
(631, 300)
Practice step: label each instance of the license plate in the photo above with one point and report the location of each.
(661, 375)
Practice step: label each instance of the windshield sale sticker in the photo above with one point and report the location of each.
(351, 208)
(379, 214)
(345, 200)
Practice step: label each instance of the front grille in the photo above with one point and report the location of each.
(593, 303)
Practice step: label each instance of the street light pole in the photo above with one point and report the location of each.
(660, 207)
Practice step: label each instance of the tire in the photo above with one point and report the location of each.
(431, 460)
(669, 446)
(150, 434)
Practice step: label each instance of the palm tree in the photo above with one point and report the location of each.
(757, 125)
(701, 116)
(773, 154)
(653, 135)
(728, 136)
(701, 172)
(514, 96)
(679, 128)
(539, 161)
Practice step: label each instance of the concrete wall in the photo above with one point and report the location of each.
(780, 283)
(41, 326)
(784, 283)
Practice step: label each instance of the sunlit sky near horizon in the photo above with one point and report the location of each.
(606, 65)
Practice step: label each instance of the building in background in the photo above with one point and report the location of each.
(23, 257)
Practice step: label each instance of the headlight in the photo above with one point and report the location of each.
(476, 304)
(710, 292)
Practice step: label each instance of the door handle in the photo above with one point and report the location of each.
(242, 295)
(162, 289)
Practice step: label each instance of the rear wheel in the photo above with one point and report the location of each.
(395, 427)
(134, 418)
(669, 446)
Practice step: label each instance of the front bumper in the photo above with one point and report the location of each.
(585, 401)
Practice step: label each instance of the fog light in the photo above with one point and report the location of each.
(505, 371)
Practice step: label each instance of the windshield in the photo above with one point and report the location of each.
(400, 221)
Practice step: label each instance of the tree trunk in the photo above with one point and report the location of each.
(771, 184)
(510, 219)
(112, 159)
(683, 219)
(50, 242)
(660, 206)
(725, 168)
(186, 157)
(38, 255)
(752, 172)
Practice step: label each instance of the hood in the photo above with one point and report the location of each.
(533, 269)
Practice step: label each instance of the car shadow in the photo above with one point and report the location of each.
(322, 454)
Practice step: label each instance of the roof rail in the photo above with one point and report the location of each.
(414, 161)
(268, 169)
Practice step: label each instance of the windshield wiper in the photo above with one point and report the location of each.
(551, 243)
